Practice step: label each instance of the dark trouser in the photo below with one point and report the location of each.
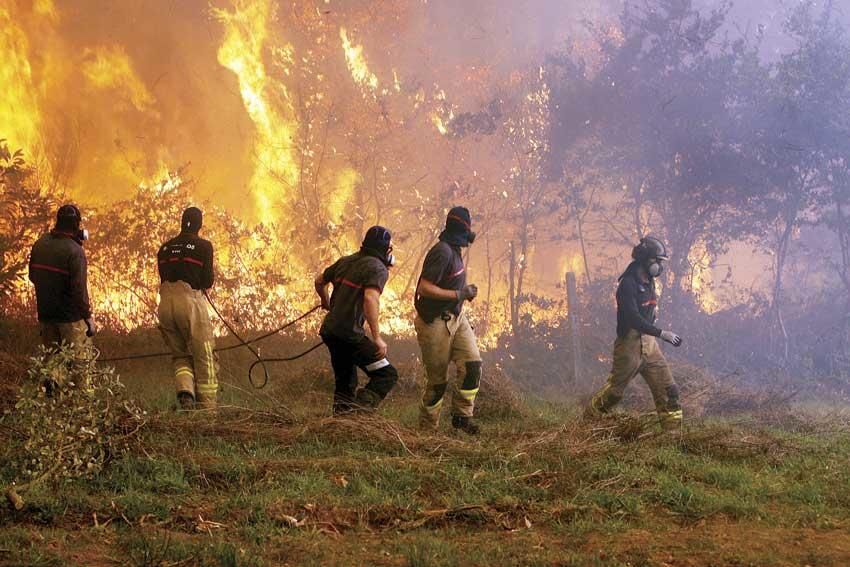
(346, 356)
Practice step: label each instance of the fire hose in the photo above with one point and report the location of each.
(242, 343)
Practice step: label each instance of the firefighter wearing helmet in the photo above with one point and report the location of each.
(358, 281)
(186, 272)
(59, 271)
(636, 350)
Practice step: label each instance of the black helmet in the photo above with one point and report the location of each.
(378, 242)
(68, 217)
(192, 220)
(649, 247)
(458, 230)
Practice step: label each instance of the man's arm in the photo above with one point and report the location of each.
(322, 289)
(371, 309)
(80, 290)
(208, 277)
(433, 291)
(628, 301)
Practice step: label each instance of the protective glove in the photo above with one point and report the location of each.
(91, 329)
(470, 292)
(671, 338)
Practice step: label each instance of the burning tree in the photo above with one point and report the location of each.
(25, 211)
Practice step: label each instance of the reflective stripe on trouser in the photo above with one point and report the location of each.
(670, 419)
(184, 322)
(73, 335)
(639, 354)
(443, 342)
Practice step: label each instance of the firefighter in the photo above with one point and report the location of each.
(636, 350)
(186, 272)
(59, 270)
(442, 329)
(358, 281)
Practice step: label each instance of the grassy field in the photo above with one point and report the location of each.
(271, 480)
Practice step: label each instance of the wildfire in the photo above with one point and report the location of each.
(274, 161)
(702, 279)
(110, 68)
(357, 63)
(571, 262)
(19, 114)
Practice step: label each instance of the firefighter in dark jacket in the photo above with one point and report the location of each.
(59, 271)
(636, 350)
(358, 281)
(444, 333)
(186, 272)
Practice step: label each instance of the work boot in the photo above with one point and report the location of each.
(465, 424)
(670, 420)
(366, 401)
(591, 412)
(342, 408)
(185, 401)
(600, 404)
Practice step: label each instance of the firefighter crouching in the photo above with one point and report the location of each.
(59, 270)
(186, 272)
(358, 281)
(636, 350)
(442, 329)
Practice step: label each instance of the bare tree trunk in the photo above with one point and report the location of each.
(522, 265)
(512, 290)
(580, 231)
(779, 267)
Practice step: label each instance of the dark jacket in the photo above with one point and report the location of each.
(636, 305)
(351, 276)
(187, 257)
(443, 267)
(59, 270)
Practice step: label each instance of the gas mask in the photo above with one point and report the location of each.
(70, 215)
(378, 242)
(470, 237)
(654, 267)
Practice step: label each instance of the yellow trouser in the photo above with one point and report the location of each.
(443, 342)
(185, 325)
(72, 334)
(639, 354)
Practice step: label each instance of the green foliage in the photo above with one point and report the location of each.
(73, 433)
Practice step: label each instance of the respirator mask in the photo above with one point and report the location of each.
(378, 242)
(655, 267)
(70, 214)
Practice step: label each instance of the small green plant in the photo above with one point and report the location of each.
(72, 418)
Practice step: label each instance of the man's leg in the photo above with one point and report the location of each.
(181, 358)
(465, 355)
(51, 338)
(74, 335)
(203, 352)
(664, 390)
(382, 375)
(345, 375)
(627, 361)
(435, 343)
